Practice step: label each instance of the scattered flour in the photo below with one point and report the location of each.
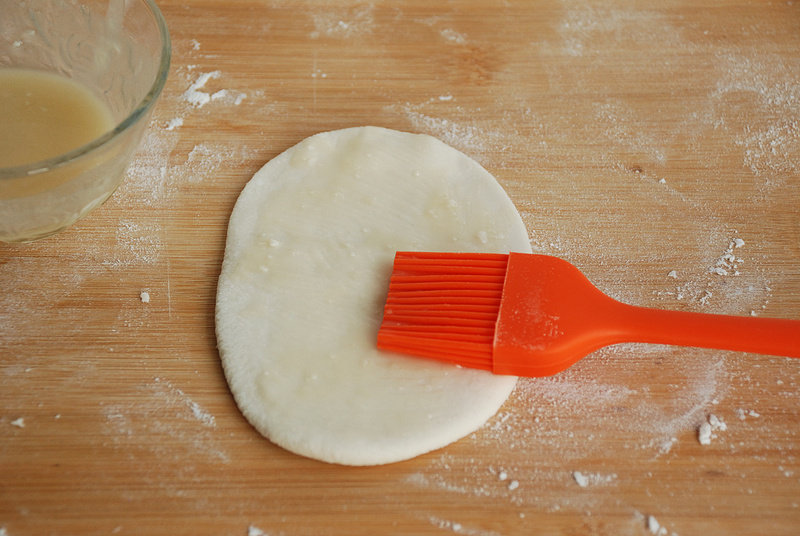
(173, 396)
(147, 182)
(468, 138)
(168, 418)
(196, 95)
(453, 36)
(438, 480)
(458, 528)
(788, 473)
(229, 96)
(709, 428)
(252, 530)
(206, 159)
(629, 131)
(346, 23)
(19, 422)
(745, 413)
(136, 244)
(198, 98)
(728, 263)
(202, 415)
(704, 434)
(655, 527)
(144, 296)
(667, 445)
(581, 479)
(461, 132)
(174, 123)
(770, 139)
(583, 23)
(543, 422)
(586, 479)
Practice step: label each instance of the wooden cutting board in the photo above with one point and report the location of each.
(655, 145)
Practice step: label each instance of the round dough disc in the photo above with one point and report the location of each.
(300, 297)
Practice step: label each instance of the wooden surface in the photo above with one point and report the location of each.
(654, 144)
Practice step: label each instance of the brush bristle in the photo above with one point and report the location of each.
(444, 306)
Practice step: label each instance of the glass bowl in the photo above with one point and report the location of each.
(118, 50)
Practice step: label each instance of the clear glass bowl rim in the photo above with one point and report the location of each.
(141, 110)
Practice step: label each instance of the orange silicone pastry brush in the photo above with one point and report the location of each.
(536, 315)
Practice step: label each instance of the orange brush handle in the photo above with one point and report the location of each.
(551, 316)
(774, 336)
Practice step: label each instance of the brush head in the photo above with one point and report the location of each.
(444, 306)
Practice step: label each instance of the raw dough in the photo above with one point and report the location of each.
(307, 261)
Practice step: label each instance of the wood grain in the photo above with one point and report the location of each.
(639, 140)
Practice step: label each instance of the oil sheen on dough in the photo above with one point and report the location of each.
(308, 256)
